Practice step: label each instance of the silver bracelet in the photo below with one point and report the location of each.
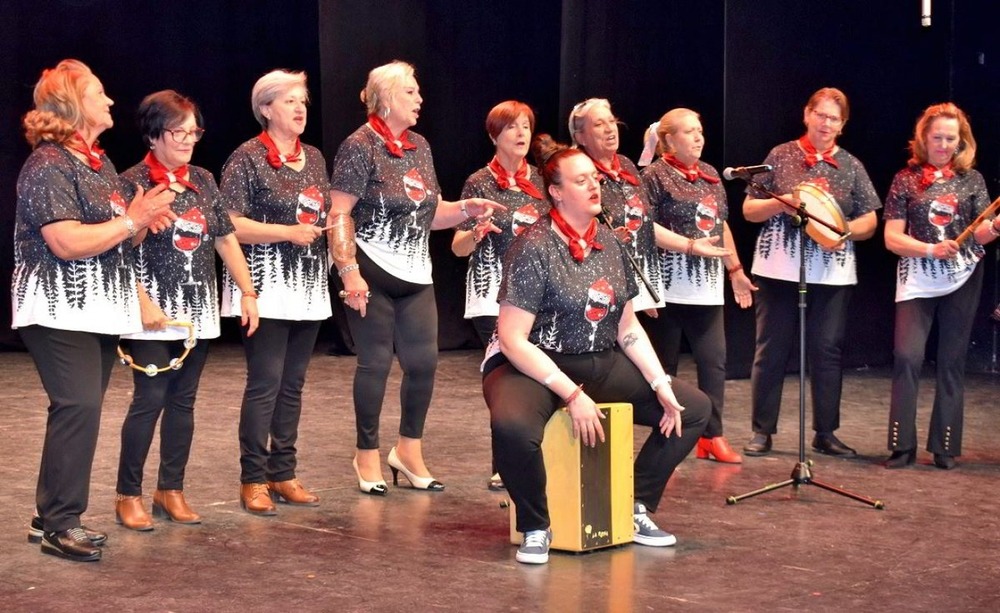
(993, 230)
(129, 226)
(462, 207)
(346, 269)
(657, 382)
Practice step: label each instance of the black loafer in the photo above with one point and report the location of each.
(945, 462)
(831, 445)
(71, 544)
(35, 533)
(901, 459)
(759, 445)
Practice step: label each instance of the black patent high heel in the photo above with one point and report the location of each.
(373, 488)
(421, 483)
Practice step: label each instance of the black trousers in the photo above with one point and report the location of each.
(277, 356)
(74, 368)
(520, 407)
(171, 394)
(778, 334)
(954, 313)
(401, 315)
(704, 328)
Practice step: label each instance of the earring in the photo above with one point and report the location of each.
(385, 113)
(152, 146)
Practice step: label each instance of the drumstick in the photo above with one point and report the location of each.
(982, 217)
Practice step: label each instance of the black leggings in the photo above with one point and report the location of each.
(405, 315)
(520, 407)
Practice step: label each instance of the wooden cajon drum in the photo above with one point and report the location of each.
(589, 489)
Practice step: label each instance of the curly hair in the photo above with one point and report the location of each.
(58, 112)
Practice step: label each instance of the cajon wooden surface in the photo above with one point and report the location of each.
(589, 489)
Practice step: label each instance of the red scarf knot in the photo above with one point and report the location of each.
(814, 157)
(395, 146)
(930, 174)
(520, 178)
(692, 173)
(160, 175)
(616, 171)
(274, 157)
(577, 244)
(92, 153)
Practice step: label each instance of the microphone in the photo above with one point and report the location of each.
(745, 172)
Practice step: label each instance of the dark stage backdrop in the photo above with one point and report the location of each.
(747, 67)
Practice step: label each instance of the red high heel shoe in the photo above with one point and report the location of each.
(718, 449)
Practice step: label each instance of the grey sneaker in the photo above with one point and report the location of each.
(535, 548)
(646, 532)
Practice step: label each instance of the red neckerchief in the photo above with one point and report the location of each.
(929, 174)
(92, 153)
(814, 157)
(691, 173)
(616, 171)
(520, 178)
(159, 174)
(577, 243)
(394, 145)
(274, 157)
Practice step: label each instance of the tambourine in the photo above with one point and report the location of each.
(828, 226)
(175, 364)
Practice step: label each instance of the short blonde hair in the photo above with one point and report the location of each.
(668, 125)
(965, 156)
(382, 84)
(270, 86)
(580, 111)
(58, 96)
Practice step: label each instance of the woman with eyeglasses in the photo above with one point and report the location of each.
(276, 188)
(815, 158)
(74, 290)
(178, 270)
(594, 129)
(930, 203)
(688, 198)
(568, 336)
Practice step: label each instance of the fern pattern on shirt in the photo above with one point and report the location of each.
(177, 266)
(941, 212)
(397, 199)
(292, 281)
(482, 280)
(693, 209)
(92, 294)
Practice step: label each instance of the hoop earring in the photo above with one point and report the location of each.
(385, 113)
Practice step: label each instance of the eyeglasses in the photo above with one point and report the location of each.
(830, 119)
(180, 135)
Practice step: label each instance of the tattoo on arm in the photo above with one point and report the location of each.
(629, 340)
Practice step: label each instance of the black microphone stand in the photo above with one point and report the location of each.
(606, 218)
(802, 471)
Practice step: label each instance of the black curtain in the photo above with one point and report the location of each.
(747, 67)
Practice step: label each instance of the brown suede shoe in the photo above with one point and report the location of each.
(130, 513)
(292, 492)
(170, 504)
(254, 498)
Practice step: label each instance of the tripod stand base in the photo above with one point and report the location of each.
(802, 475)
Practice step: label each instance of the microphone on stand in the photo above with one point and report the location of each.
(745, 172)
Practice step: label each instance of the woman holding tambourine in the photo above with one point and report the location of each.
(178, 270)
(836, 187)
(938, 277)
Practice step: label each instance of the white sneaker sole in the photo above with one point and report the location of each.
(655, 541)
(532, 558)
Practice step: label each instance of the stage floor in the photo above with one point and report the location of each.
(933, 548)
